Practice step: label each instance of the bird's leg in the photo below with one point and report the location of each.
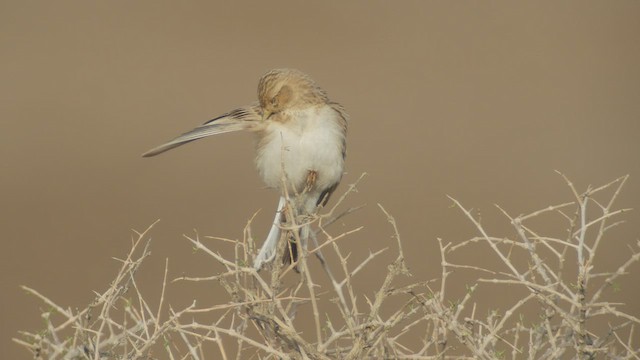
(302, 217)
(312, 177)
(291, 250)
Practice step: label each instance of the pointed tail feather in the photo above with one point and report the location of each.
(268, 250)
(291, 252)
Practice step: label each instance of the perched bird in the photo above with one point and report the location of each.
(299, 131)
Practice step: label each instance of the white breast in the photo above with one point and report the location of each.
(311, 140)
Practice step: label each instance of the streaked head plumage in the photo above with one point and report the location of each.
(283, 89)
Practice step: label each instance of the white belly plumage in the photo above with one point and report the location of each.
(305, 144)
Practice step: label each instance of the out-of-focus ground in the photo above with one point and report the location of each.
(480, 101)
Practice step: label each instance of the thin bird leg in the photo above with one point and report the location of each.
(301, 216)
(312, 177)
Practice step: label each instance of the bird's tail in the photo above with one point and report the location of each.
(268, 249)
(291, 252)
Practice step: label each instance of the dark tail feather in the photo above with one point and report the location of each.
(291, 253)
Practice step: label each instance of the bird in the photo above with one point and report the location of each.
(300, 136)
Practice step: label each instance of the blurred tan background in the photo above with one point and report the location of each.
(481, 101)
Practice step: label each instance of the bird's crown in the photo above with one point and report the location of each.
(282, 89)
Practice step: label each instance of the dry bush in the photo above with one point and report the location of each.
(560, 314)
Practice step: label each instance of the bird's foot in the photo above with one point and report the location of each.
(312, 177)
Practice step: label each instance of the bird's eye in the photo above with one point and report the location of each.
(274, 101)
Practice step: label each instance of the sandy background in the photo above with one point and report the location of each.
(482, 101)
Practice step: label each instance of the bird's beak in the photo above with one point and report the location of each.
(266, 114)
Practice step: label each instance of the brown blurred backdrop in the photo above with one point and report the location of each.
(481, 101)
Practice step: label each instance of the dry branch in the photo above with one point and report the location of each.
(553, 318)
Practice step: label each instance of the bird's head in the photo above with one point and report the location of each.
(287, 89)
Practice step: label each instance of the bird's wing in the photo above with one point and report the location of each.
(343, 119)
(239, 119)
